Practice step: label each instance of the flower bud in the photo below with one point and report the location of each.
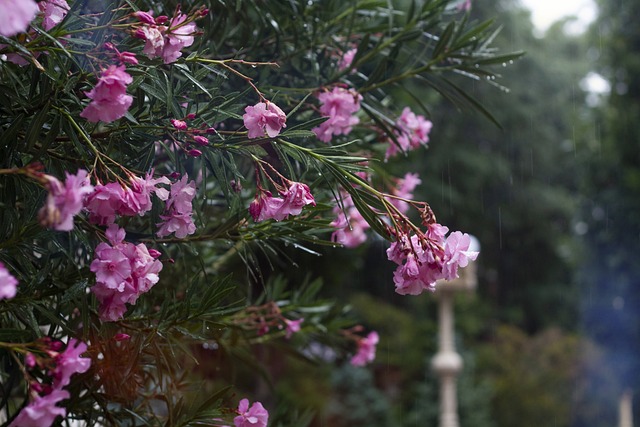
(195, 153)
(144, 17)
(179, 124)
(201, 140)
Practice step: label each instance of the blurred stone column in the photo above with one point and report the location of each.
(447, 363)
(625, 409)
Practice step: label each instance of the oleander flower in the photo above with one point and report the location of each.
(42, 410)
(340, 106)
(254, 416)
(124, 271)
(8, 283)
(15, 16)
(64, 201)
(264, 117)
(109, 99)
(178, 216)
(53, 11)
(69, 362)
(366, 352)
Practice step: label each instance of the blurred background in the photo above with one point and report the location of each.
(551, 336)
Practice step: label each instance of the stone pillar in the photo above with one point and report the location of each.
(625, 409)
(447, 363)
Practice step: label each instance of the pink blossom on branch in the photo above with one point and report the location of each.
(264, 117)
(426, 258)
(123, 271)
(42, 410)
(109, 99)
(179, 211)
(366, 352)
(339, 106)
(347, 59)
(412, 132)
(54, 12)
(254, 416)
(166, 41)
(265, 206)
(15, 16)
(64, 201)
(351, 226)
(69, 362)
(8, 283)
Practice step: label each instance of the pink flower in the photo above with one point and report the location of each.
(293, 326)
(366, 350)
(104, 203)
(465, 5)
(457, 254)
(178, 213)
(180, 224)
(347, 59)
(265, 206)
(351, 226)
(179, 124)
(296, 197)
(15, 16)
(111, 199)
(64, 201)
(404, 189)
(124, 271)
(177, 37)
(256, 416)
(111, 266)
(413, 132)
(109, 97)
(166, 41)
(8, 283)
(339, 106)
(69, 362)
(54, 12)
(264, 117)
(350, 232)
(42, 411)
(426, 258)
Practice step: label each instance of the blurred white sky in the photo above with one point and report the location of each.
(545, 12)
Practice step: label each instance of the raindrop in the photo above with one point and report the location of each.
(504, 64)
(511, 61)
(253, 65)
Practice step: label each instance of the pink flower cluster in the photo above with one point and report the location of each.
(53, 11)
(265, 206)
(42, 410)
(351, 226)
(339, 106)
(179, 211)
(123, 271)
(264, 118)
(165, 41)
(111, 199)
(423, 259)
(254, 416)
(366, 349)
(8, 283)
(15, 16)
(64, 201)
(109, 99)
(412, 132)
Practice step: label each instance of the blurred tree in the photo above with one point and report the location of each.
(611, 273)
